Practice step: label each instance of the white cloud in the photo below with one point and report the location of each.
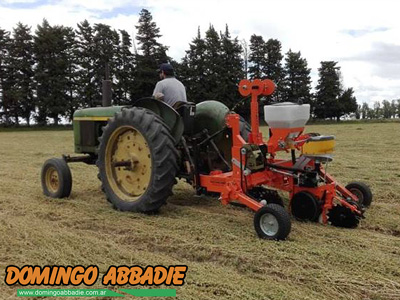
(16, 1)
(344, 31)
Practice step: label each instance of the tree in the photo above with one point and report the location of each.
(152, 54)
(273, 69)
(70, 56)
(393, 107)
(212, 67)
(213, 64)
(328, 90)
(193, 69)
(398, 108)
(377, 110)
(87, 89)
(232, 68)
(347, 103)
(371, 113)
(106, 42)
(296, 85)
(364, 110)
(52, 48)
(20, 75)
(4, 49)
(265, 61)
(125, 69)
(386, 109)
(257, 57)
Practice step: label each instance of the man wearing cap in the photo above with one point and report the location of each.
(169, 89)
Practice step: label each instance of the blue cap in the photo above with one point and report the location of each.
(165, 67)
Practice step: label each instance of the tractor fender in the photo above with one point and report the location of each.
(169, 115)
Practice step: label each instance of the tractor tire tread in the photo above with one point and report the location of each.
(164, 159)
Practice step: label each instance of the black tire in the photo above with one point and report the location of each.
(56, 178)
(362, 192)
(271, 196)
(305, 206)
(281, 226)
(162, 157)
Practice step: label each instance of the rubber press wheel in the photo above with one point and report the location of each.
(305, 207)
(137, 161)
(56, 178)
(362, 192)
(272, 222)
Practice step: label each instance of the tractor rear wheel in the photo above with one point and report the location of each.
(272, 222)
(362, 192)
(137, 161)
(56, 178)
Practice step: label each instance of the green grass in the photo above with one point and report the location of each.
(218, 243)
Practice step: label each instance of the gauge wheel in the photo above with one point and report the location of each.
(272, 222)
(362, 192)
(137, 161)
(56, 178)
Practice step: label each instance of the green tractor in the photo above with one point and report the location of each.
(142, 148)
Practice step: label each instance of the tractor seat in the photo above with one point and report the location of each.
(187, 111)
(319, 147)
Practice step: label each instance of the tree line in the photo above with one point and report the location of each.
(380, 110)
(47, 75)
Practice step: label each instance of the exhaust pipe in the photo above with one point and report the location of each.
(106, 88)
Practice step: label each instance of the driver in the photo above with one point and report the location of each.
(169, 89)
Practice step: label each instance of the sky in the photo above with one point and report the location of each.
(362, 36)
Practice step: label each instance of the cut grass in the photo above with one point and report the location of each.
(218, 243)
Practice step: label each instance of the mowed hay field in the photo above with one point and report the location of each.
(218, 243)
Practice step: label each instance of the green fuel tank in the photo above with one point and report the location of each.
(210, 115)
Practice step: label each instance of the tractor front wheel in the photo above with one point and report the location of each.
(272, 222)
(137, 161)
(56, 178)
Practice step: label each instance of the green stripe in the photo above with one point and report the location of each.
(150, 292)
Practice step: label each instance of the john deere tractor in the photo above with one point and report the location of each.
(142, 148)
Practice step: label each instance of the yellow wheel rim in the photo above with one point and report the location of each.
(128, 163)
(52, 180)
